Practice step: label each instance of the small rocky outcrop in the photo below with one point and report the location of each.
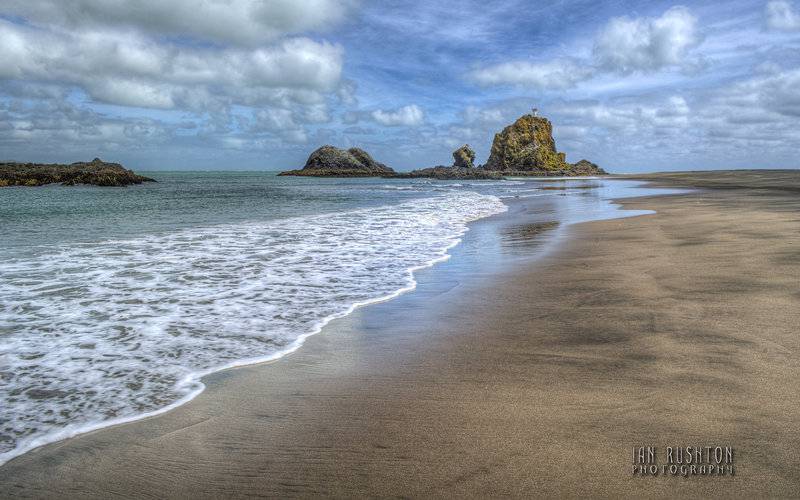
(330, 161)
(450, 173)
(585, 167)
(463, 168)
(96, 172)
(464, 157)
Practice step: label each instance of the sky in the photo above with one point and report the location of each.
(258, 85)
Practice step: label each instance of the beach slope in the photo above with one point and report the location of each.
(672, 329)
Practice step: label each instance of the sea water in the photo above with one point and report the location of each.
(114, 302)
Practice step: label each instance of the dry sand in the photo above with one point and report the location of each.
(679, 328)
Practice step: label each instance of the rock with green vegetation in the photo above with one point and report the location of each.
(96, 172)
(464, 157)
(526, 145)
(527, 148)
(330, 161)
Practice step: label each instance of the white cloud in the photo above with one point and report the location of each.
(231, 21)
(475, 114)
(61, 126)
(409, 116)
(275, 120)
(558, 74)
(131, 70)
(782, 16)
(626, 45)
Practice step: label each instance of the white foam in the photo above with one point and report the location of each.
(105, 333)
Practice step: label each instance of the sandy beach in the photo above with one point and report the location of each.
(535, 376)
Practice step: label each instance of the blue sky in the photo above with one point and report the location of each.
(247, 84)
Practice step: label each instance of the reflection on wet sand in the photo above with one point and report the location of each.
(527, 235)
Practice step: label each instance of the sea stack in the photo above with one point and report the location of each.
(527, 147)
(330, 161)
(464, 157)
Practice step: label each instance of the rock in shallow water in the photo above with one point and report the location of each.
(456, 173)
(526, 145)
(330, 161)
(585, 167)
(527, 148)
(96, 172)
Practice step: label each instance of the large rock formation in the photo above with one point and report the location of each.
(527, 148)
(329, 161)
(526, 145)
(96, 172)
(524, 148)
(464, 157)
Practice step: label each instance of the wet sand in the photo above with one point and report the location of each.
(531, 379)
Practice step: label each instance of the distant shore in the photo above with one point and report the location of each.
(672, 329)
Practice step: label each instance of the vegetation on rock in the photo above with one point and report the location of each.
(464, 157)
(95, 172)
(527, 144)
(524, 148)
(585, 167)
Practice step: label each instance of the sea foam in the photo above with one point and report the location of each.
(95, 334)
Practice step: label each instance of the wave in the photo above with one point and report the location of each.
(105, 333)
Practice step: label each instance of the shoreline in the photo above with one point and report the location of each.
(196, 378)
(483, 391)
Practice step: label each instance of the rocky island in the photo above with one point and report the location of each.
(527, 148)
(96, 172)
(330, 161)
(524, 148)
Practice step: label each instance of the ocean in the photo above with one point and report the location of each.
(115, 302)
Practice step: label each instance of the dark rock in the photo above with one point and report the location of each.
(96, 172)
(464, 157)
(585, 167)
(447, 173)
(329, 161)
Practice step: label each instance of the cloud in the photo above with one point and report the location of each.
(132, 70)
(558, 74)
(624, 46)
(409, 116)
(782, 16)
(62, 127)
(229, 21)
(777, 93)
(627, 45)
